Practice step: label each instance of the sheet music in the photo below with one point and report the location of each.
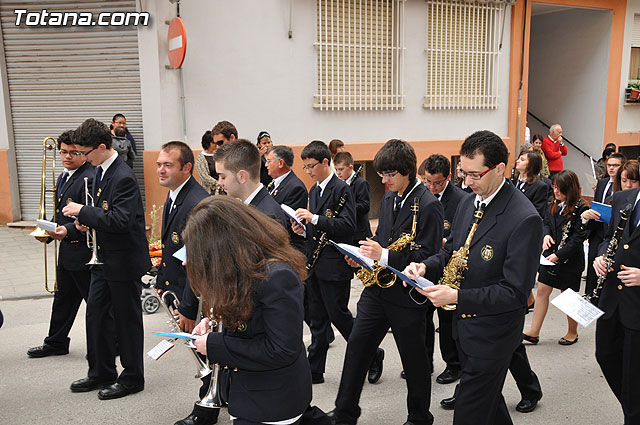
(181, 254)
(290, 212)
(576, 307)
(163, 346)
(49, 226)
(545, 262)
(420, 282)
(354, 253)
(181, 335)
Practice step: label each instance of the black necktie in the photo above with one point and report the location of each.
(319, 195)
(520, 184)
(438, 195)
(635, 217)
(97, 180)
(63, 180)
(270, 186)
(607, 195)
(397, 204)
(167, 207)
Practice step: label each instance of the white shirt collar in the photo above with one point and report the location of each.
(206, 154)
(407, 192)
(70, 172)
(439, 197)
(351, 178)
(253, 194)
(278, 180)
(323, 184)
(107, 163)
(490, 198)
(173, 194)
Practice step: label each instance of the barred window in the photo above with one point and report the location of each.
(463, 40)
(360, 48)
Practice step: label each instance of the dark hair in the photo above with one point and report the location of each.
(396, 155)
(619, 156)
(316, 150)
(633, 172)
(537, 137)
(334, 145)
(568, 184)
(226, 129)
(207, 139)
(120, 132)
(66, 138)
(226, 256)
(116, 116)
(92, 133)
(607, 152)
(284, 153)
(534, 166)
(186, 154)
(612, 146)
(435, 164)
(261, 135)
(343, 158)
(487, 143)
(240, 155)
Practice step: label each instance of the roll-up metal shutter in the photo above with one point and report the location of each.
(59, 76)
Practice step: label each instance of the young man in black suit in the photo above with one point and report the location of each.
(395, 306)
(118, 219)
(502, 265)
(331, 210)
(343, 163)
(73, 274)
(435, 172)
(238, 166)
(618, 330)
(174, 168)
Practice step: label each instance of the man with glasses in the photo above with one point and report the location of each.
(435, 172)
(118, 219)
(402, 309)
(331, 211)
(501, 267)
(73, 275)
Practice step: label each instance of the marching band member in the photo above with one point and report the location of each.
(503, 255)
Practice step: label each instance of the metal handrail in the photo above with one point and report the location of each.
(563, 137)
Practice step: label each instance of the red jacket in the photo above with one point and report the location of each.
(554, 152)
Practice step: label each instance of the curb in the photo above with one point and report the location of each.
(24, 297)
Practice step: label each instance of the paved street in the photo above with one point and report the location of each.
(36, 391)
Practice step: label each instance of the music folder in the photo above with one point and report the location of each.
(182, 335)
(603, 209)
(290, 212)
(352, 252)
(420, 282)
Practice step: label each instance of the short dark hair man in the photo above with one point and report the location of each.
(343, 164)
(492, 300)
(73, 274)
(396, 306)
(331, 210)
(224, 132)
(113, 306)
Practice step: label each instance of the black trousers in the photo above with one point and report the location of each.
(448, 348)
(328, 302)
(123, 298)
(526, 379)
(73, 287)
(592, 278)
(374, 318)
(617, 349)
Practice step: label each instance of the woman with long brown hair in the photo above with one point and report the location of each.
(527, 179)
(252, 282)
(562, 245)
(627, 177)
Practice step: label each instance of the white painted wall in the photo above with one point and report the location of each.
(242, 67)
(628, 116)
(569, 57)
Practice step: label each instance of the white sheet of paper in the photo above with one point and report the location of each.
(49, 226)
(355, 251)
(163, 346)
(181, 254)
(545, 262)
(576, 307)
(291, 213)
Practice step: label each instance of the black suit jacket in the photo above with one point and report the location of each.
(571, 255)
(331, 264)
(292, 192)
(503, 259)
(616, 295)
(171, 274)
(74, 252)
(427, 242)
(118, 218)
(450, 199)
(273, 379)
(362, 196)
(265, 203)
(538, 193)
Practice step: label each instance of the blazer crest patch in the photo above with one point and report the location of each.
(175, 238)
(69, 200)
(105, 205)
(486, 253)
(447, 225)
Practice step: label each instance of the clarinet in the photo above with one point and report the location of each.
(324, 238)
(355, 175)
(611, 252)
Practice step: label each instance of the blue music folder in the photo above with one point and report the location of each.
(421, 282)
(603, 209)
(182, 335)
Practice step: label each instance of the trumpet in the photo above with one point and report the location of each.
(48, 145)
(92, 243)
(213, 398)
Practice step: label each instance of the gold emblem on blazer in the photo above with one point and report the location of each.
(242, 327)
(105, 205)
(447, 225)
(69, 200)
(328, 213)
(275, 192)
(99, 192)
(175, 238)
(486, 253)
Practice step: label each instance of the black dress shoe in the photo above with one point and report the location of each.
(448, 376)
(339, 419)
(448, 403)
(196, 419)
(88, 384)
(526, 406)
(118, 390)
(45, 350)
(375, 369)
(317, 378)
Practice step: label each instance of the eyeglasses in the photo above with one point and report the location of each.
(614, 165)
(88, 152)
(387, 175)
(475, 176)
(72, 153)
(310, 167)
(272, 160)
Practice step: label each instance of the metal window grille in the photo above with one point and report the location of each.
(462, 54)
(360, 48)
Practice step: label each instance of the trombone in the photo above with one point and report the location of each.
(92, 243)
(48, 154)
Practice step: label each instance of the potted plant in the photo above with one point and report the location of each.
(634, 95)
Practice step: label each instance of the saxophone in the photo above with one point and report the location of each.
(381, 275)
(611, 252)
(452, 273)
